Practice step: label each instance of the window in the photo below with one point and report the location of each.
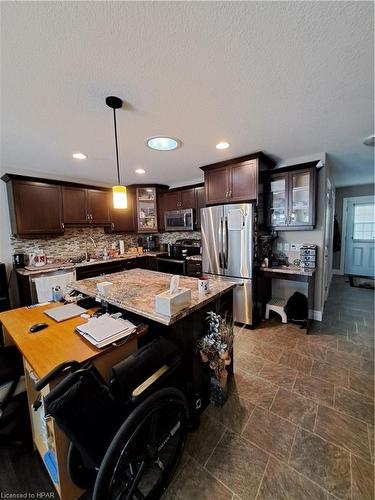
(364, 221)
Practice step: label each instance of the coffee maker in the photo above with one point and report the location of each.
(149, 242)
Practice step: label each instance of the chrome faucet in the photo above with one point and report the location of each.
(94, 244)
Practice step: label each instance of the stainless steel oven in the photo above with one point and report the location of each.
(179, 220)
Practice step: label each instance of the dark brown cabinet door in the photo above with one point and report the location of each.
(75, 205)
(124, 219)
(217, 185)
(187, 199)
(37, 208)
(200, 202)
(244, 181)
(171, 201)
(98, 206)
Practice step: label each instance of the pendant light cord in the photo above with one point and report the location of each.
(116, 144)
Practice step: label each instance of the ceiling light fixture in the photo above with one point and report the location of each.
(369, 141)
(222, 145)
(79, 156)
(120, 199)
(140, 171)
(163, 143)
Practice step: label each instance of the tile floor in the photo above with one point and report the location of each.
(298, 423)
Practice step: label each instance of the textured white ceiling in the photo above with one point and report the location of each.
(288, 78)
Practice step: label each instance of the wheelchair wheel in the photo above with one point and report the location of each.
(145, 452)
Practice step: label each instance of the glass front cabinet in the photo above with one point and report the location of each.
(147, 220)
(291, 200)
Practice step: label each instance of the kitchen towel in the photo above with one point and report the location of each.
(44, 285)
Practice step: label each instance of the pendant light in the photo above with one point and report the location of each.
(120, 199)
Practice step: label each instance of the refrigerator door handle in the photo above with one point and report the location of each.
(225, 243)
(220, 240)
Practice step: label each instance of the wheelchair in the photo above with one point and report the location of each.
(126, 436)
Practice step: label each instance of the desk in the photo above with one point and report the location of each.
(44, 350)
(291, 273)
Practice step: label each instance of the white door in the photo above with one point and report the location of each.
(360, 236)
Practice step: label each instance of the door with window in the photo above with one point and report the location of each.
(360, 236)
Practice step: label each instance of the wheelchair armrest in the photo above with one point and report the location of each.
(149, 381)
(67, 365)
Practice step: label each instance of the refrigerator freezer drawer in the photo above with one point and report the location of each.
(242, 299)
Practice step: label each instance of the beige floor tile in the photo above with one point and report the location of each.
(362, 480)
(311, 350)
(234, 414)
(270, 432)
(331, 373)
(347, 360)
(194, 483)
(362, 383)
(354, 404)
(278, 374)
(314, 388)
(281, 482)
(267, 351)
(345, 431)
(367, 367)
(296, 361)
(254, 389)
(201, 443)
(322, 462)
(295, 408)
(248, 362)
(239, 465)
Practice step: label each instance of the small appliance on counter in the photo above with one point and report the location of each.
(175, 261)
(149, 242)
(19, 260)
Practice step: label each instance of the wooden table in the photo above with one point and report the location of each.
(43, 351)
(291, 273)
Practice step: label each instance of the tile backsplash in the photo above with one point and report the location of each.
(72, 242)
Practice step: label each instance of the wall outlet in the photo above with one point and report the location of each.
(286, 247)
(280, 247)
(293, 247)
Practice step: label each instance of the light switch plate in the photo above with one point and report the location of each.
(286, 247)
(280, 247)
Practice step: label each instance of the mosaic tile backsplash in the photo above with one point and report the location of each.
(72, 243)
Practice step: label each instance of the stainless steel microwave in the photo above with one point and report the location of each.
(179, 220)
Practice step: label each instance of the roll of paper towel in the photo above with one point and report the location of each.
(122, 246)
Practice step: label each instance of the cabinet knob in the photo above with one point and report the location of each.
(62, 225)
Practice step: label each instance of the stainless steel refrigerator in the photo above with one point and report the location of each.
(227, 252)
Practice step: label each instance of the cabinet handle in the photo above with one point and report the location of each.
(230, 194)
(113, 225)
(226, 194)
(62, 225)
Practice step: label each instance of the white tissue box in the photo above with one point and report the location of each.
(168, 304)
(104, 286)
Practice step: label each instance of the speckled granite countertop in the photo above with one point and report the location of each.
(49, 268)
(135, 291)
(289, 270)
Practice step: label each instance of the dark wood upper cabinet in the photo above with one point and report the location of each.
(75, 205)
(217, 182)
(83, 206)
(98, 206)
(124, 219)
(187, 198)
(35, 207)
(292, 199)
(200, 202)
(244, 181)
(235, 180)
(170, 201)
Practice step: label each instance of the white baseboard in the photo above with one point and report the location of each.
(316, 315)
(337, 272)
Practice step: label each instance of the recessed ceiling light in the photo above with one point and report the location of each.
(222, 145)
(369, 141)
(163, 143)
(79, 156)
(140, 171)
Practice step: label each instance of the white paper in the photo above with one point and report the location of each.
(173, 287)
(235, 220)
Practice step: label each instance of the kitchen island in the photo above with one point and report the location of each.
(133, 293)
